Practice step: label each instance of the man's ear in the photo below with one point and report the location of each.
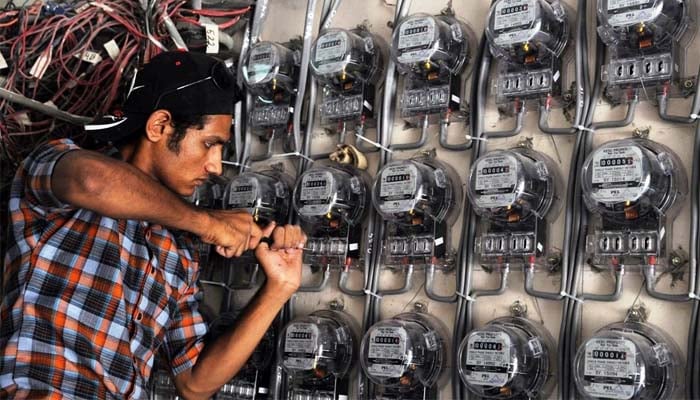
(159, 125)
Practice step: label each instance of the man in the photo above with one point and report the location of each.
(99, 276)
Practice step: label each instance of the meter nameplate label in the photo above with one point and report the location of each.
(387, 352)
(331, 49)
(416, 40)
(610, 367)
(630, 12)
(513, 21)
(496, 181)
(300, 346)
(243, 192)
(316, 192)
(618, 174)
(260, 63)
(488, 358)
(617, 4)
(397, 188)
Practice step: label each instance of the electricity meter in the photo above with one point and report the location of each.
(270, 72)
(162, 386)
(331, 202)
(629, 360)
(509, 358)
(431, 52)
(419, 198)
(348, 63)
(514, 192)
(528, 37)
(643, 40)
(633, 186)
(317, 353)
(252, 379)
(266, 195)
(405, 354)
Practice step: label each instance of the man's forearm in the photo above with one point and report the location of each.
(221, 360)
(117, 189)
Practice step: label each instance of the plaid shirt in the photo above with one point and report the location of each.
(88, 299)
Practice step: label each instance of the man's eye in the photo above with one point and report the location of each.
(208, 145)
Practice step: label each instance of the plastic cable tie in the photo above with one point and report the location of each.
(693, 296)
(694, 116)
(583, 128)
(235, 164)
(466, 297)
(371, 293)
(470, 137)
(373, 143)
(294, 154)
(574, 298)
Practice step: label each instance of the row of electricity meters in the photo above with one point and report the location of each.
(508, 358)
(529, 38)
(631, 185)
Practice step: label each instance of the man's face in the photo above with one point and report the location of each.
(199, 155)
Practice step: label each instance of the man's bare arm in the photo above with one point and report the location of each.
(223, 358)
(116, 189)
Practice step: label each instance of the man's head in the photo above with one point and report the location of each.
(179, 106)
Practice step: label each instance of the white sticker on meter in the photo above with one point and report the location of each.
(397, 188)
(316, 190)
(617, 4)
(387, 352)
(496, 181)
(330, 52)
(618, 174)
(513, 21)
(488, 358)
(300, 345)
(416, 38)
(629, 12)
(243, 192)
(260, 63)
(610, 367)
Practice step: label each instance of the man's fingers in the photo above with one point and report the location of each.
(225, 251)
(267, 231)
(278, 238)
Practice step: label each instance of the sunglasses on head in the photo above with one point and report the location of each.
(220, 75)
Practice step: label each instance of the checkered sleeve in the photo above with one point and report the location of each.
(38, 168)
(184, 338)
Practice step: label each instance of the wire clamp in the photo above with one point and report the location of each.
(371, 293)
(583, 128)
(466, 297)
(694, 116)
(470, 137)
(373, 143)
(693, 296)
(235, 164)
(574, 298)
(293, 154)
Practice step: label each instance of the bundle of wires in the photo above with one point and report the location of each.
(71, 56)
(80, 57)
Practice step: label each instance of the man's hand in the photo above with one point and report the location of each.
(232, 231)
(282, 261)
